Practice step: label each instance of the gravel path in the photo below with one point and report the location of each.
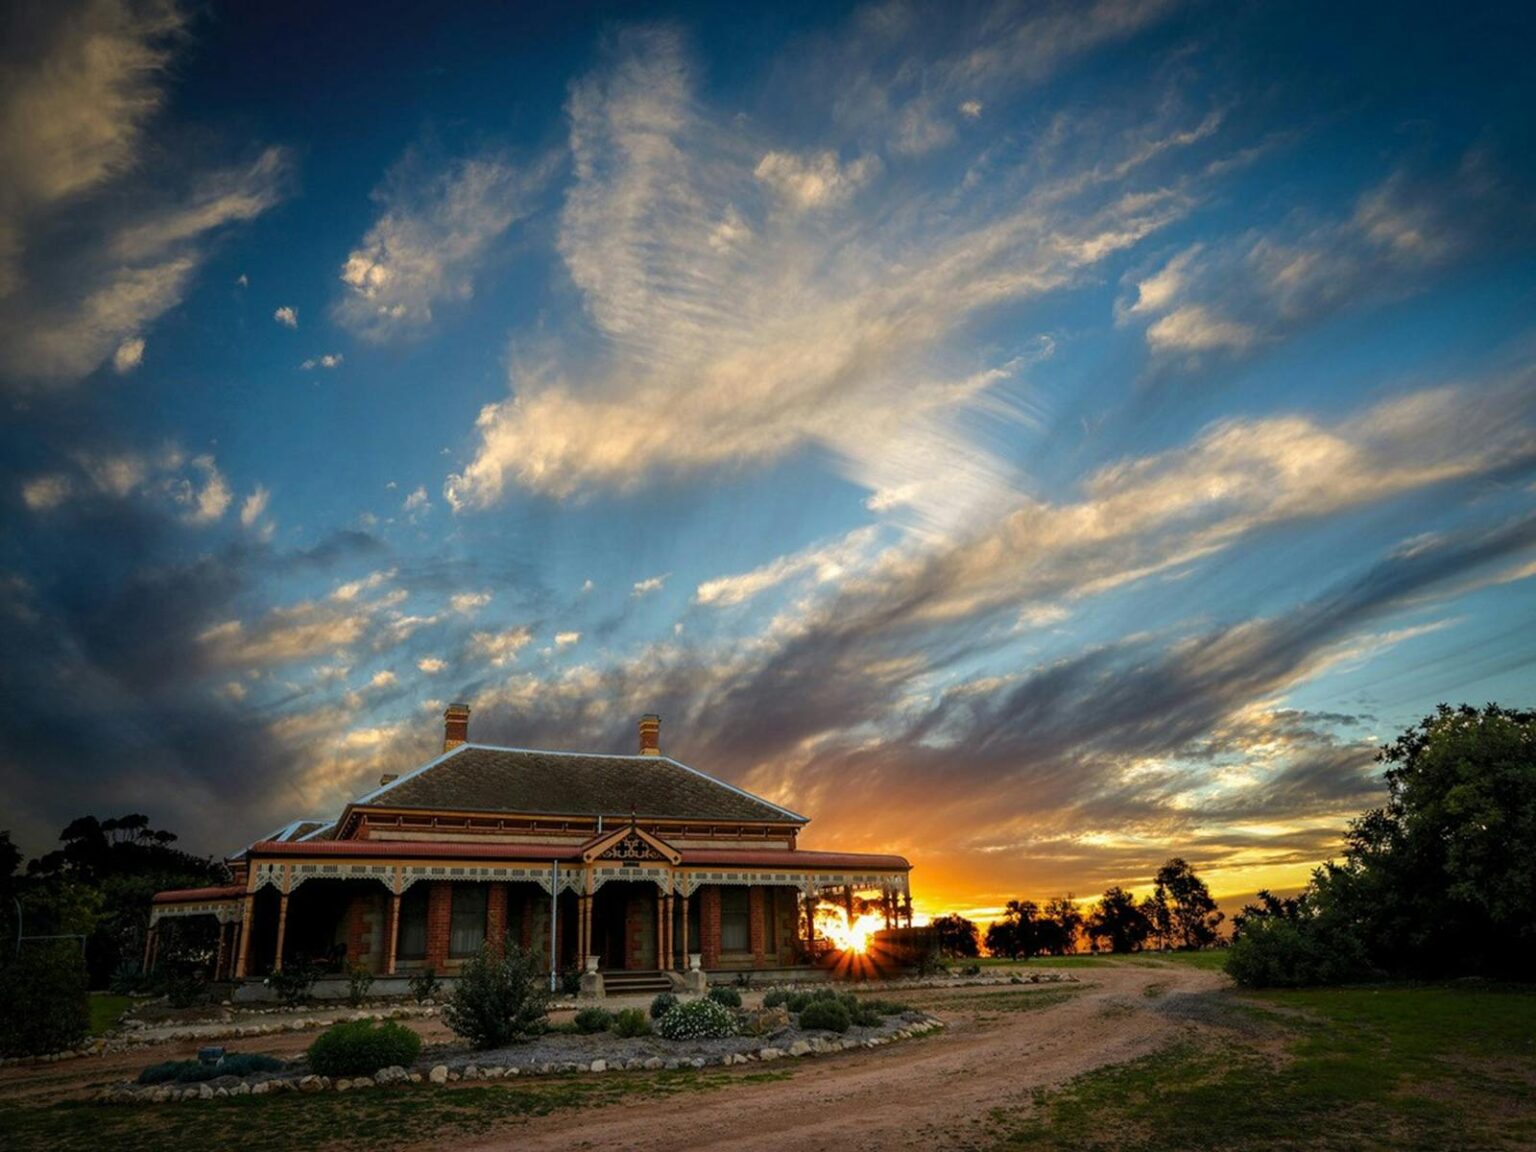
(933, 1093)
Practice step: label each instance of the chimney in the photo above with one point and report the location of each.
(650, 734)
(455, 726)
(388, 778)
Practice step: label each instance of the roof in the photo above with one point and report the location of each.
(482, 778)
(691, 857)
(188, 895)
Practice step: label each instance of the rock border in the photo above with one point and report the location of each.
(440, 1075)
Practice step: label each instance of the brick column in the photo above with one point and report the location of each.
(527, 940)
(709, 925)
(684, 919)
(666, 936)
(222, 956)
(755, 932)
(439, 923)
(357, 929)
(496, 916)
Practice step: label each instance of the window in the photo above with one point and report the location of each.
(735, 920)
(413, 923)
(467, 932)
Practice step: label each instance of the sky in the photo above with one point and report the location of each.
(1038, 439)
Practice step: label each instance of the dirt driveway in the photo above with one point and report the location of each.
(929, 1093)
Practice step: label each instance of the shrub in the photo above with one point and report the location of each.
(796, 1001)
(590, 1020)
(631, 1022)
(500, 997)
(697, 1020)
(194, 1071)
(425, 984)
(43, 1004)
(361, 1048)
(293, 981)
(570, 982)
(775, 997)
(663, 1004)
(184, 989)
(859, 1013)
(359, 980)
(725, 997)
(825, 1015)
(126, 979)
(886, 1007)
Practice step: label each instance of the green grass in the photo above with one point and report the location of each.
(1214, 960)
(105, 1010)
(1443, 1066)
(384, 1118)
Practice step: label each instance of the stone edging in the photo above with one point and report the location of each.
(441, 1075)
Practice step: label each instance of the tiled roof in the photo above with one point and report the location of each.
(479, 778)
(200, 895)
(692, 857)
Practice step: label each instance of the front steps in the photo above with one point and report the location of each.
(634, 982)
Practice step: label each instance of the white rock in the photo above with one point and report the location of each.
(800, 1048)
(261, 1088)
(770, 1053)
(599, 1066)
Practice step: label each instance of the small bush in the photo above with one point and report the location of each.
(825, 1015)
(631, 1022)
(126, 979)
(826, 994)
(361, 1048)
(500, 997)
(796, 1001)
(775, 997)
(195, 1071)
(886, 1007)
(570, 982)
(663, 1004)
(590, 1020)
(359, 980)
(725, 997)
(43, 1003)
(425, 984)
(184, 989)
(293, 981)
(697, 1020)
(971, 970)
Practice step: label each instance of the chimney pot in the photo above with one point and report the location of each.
(650, 734)
(388, 778)
(455, 726)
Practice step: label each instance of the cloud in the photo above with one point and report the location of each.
(431, 665)
(468, 603)
(417, 504)
(286, 316)
(733, 354)
(329, 360)
(499, 648)
(648, 585)
(254, 507)
(824, 563)
(566, 639)
(1194, 329)
(815, 180)
(971, 109)
(194, 487)
(45, 493)
(129, 355)
(432, 236)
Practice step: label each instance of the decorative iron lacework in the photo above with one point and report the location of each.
(811, 883)
(661, 876)
(224, 911)
(398, 878)
(632, 847)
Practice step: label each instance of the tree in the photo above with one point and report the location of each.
(957, 936)
(1060, 924)
(1117, 919)
(1017, 933)
(1186, 914)
(500, 996)
(1439, 881)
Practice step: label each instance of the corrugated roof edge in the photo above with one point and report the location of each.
(285, 832)
(372, 797)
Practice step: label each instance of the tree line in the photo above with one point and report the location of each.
(1179, 913)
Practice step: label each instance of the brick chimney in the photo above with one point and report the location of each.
(455, 726)
(650, 734)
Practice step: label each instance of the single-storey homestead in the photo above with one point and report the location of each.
(634, 869)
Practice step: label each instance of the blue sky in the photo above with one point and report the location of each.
(1037, 438)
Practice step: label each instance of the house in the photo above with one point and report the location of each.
(632, 869)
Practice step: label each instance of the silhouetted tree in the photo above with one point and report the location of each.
(1060, 923)
(1117, 919)
(1017, 933)
(957, 936)
(1186, 916)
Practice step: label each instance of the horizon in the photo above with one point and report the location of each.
(1038, 440)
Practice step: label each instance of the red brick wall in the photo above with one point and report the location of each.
(496, 915)
(755, 934)
(640, 931)
(709, 925)
(439, 923)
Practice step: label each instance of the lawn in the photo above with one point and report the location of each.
(105, 1010)
(1213, 959)
(1435, 1066)
(353, 1120)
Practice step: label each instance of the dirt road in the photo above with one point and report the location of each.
(930, 1093)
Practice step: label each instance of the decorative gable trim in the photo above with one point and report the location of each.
(631, 843)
